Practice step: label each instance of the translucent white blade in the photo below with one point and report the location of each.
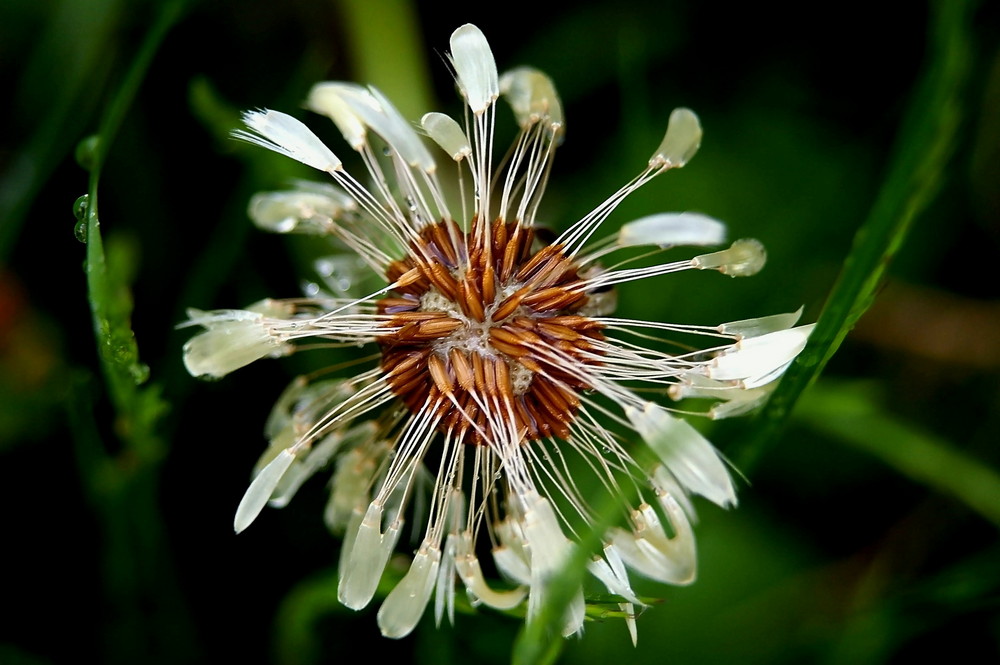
(260, 490)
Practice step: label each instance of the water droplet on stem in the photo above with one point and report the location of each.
(80, 212)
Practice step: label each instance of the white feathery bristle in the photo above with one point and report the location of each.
(549, 549)
(511, 565)
(613, 578)
(349, 487)
(471, 573)
(377, 113)
(285, 212)
(444, 588)
(649, 551)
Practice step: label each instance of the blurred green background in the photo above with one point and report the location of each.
(867, 530)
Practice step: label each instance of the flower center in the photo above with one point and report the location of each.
(491, 337)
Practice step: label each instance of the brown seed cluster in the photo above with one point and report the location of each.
(488, 332)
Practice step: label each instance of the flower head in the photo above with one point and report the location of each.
(497, 356)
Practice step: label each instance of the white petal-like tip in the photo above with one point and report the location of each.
(689, 456)
(448, 134)
(354, 104)
(471, 573)
(302, 211)
(232, 339)
(533, 98)
(761, 325)
(649, 551)
(260, 490)
(405, 604)
(349, 487)
(327, 99)
(288, 136)
(369, 553)
(475, 67)
(759, 360)
(746, 257)
(681, 142)
(672, 229)
(614, 580)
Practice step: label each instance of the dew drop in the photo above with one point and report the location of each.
(80, 207)
(80, 231)
(80, 212)
(324, 267)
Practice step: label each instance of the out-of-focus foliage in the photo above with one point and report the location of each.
(867, 525)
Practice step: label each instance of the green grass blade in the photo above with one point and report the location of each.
(922, 151)
(109, 272)
(122, 481)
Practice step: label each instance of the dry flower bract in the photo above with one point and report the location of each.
(500, 368)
